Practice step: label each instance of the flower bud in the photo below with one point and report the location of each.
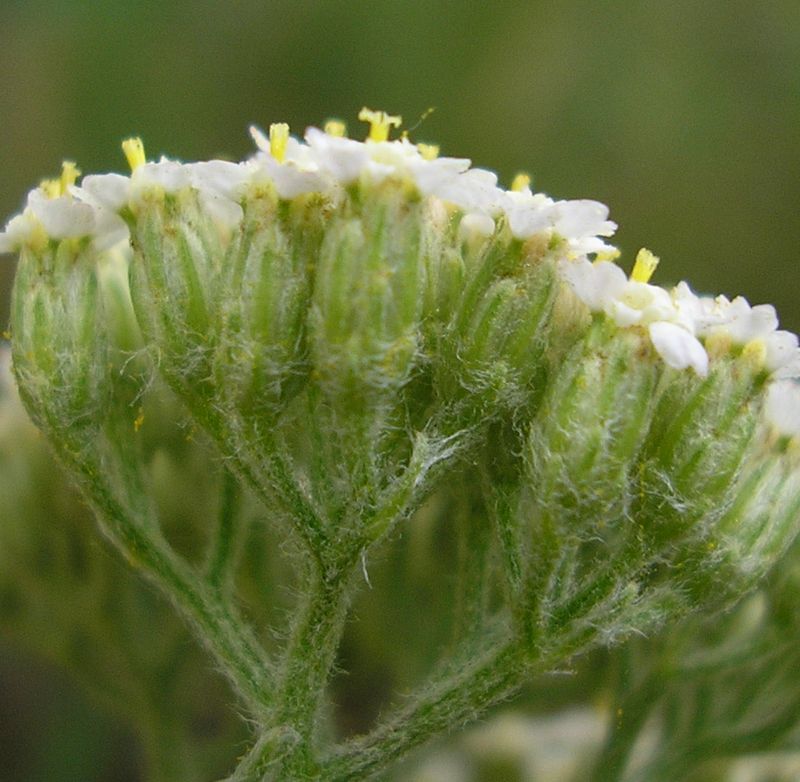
(364, 318)
(697, 441)
(577, 491)
(649, 488)
(261, 360)
(489, 351)
(60, 343)
(177, 259)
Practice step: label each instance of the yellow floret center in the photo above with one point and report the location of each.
(278, 139)
(428, 151)
(521, 181)
(379, 123)
(335, 127)
(55, 188)
(644, 266)
(134, 152)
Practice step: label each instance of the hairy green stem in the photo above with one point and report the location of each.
(216, 623)
(225, 543)
(267, 752)
(308, 660)
(304, 521)
(440, 708)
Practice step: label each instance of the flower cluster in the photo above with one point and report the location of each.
(683, 327)
(369, 337)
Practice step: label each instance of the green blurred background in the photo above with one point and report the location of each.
(682, 116)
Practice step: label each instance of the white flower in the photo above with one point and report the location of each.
(579, 222)
(168, 176)
(220, 177)
(107, 194)
(109, 191)
(741, 322)
(782, 407)
(220, 185)
(297, 173)
(528, 213)
(62, 217)
(341, 158)
(431, 176)
(582, 219)
(597, 285)
(289, 179)
(678, 347)
(387, 158)
(476, 224)
(782, 355)
(640, 303)
(473, 191)
(20, 230)
(693, 311)
(603, 287)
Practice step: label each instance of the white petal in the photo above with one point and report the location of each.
(168, 175)
(781, 349)
(18, 231)
(223, 211)
(431, 176)
(743, 322)
(476, 224)
(577, 219)
(109, 230)
(260, 138)
(290, 181)
(528, 219)
(624, 315)
(62, 217)
(111, 191)
(791, 369)
(473, 191)
(678, 347)
(652, 302)
(588, 245)
(220, 177)
(782, 407)
(596, 284)
(343, 158)
(377, 172)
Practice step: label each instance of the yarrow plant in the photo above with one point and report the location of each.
(363, 336)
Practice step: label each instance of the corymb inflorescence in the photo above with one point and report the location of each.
(366, 332)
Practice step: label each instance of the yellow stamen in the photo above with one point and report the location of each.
(379, 123)
(520, 182)
(134, 152)
(335, 127)
(51, 187)
(69, 175)
(138, 421)
(55, 188)
(428, 151)
(644, 266)
(278, 138)
(607, 255)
